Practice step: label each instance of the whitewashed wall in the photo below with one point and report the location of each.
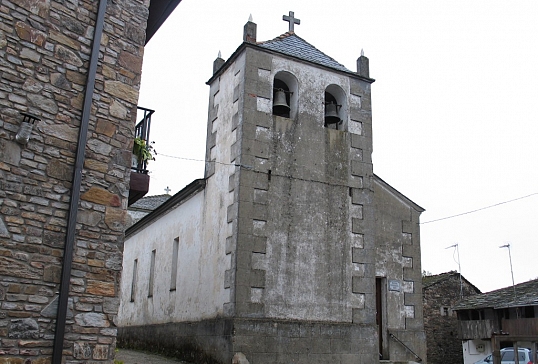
(201, 225)
(195, 296)
(475, 350)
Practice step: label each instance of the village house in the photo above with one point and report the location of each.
(507, 317)
(69, 80)
(440, 293)
(290, 249)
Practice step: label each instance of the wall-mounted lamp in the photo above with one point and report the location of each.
(25, 130)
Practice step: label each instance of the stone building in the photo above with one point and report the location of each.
(69, 80)
(290, 249)
(506, 317)
(440, 293)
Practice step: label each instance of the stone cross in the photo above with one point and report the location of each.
(292, 20)
(167, 190)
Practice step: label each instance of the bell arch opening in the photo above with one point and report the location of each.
(285, 95)
(335, 116)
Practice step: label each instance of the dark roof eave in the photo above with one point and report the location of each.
(159, 11)
(187, 192)
(245, 45)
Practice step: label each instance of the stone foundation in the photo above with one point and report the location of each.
(259, 340)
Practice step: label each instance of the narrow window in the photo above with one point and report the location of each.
(133, 282)
(175, 252)
(151, 274)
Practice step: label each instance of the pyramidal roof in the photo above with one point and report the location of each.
(291, 44)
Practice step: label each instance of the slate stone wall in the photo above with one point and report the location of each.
(45, 50)
(443, 343)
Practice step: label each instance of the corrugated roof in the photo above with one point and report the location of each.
(292, 45)
(526, 295)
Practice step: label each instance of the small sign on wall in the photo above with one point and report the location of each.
(394, 285)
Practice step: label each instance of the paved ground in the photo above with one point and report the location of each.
(137, 357)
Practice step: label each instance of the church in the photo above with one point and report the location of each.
(290, 249)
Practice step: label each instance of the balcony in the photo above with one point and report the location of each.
(139, 183)
(476, 329)
(520, 327)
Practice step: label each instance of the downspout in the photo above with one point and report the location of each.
(63, 297)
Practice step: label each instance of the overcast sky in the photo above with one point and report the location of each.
(455, 110)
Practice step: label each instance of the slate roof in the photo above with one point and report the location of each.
(291, 44)
(526, 295)
(149, 203)
(428, 281)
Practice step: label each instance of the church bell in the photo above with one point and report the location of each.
(280, 105)
(331, 114)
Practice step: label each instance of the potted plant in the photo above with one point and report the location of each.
(141, 152)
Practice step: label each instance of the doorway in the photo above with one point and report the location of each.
(380, 294)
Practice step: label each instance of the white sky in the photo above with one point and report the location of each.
(455, 109)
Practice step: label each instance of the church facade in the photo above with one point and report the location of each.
(290, 249)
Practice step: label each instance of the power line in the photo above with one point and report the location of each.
(198, 160)
(480, 209)
(422, 223)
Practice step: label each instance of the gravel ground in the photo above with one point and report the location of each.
(137, 357)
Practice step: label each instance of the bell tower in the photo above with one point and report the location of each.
(291, 249)
(290, 144)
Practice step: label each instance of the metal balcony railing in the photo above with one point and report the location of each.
(142, 131)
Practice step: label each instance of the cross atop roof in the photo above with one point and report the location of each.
(292, 20)
(167, 189)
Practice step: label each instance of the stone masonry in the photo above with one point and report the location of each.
(45, 50)
(440, 293)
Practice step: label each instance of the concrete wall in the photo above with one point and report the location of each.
(398, 264)
(198, 293)
(201, 223)
(45, 49)
(264, 341)
(221, 172)
(295, 222)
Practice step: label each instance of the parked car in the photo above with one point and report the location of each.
(507, 357)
